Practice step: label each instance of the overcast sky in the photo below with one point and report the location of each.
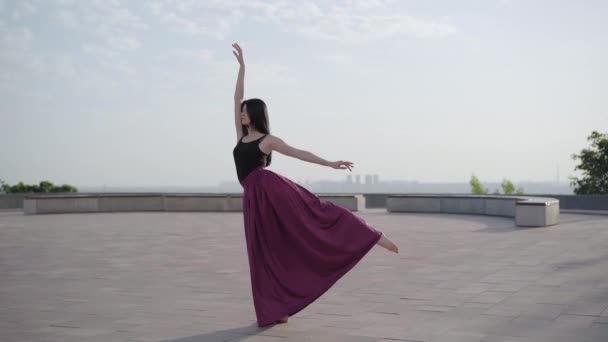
(140, 92)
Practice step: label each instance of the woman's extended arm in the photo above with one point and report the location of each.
(239, 91)
(276, 144)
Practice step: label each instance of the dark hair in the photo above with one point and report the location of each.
(258, 118)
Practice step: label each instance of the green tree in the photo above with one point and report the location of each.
(520, 191)
(20, 188)
(42, 187)
(46, 186)
(507, 187)
(593, 162)
(65, 188)
(476, 186)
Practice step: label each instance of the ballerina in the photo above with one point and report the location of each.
(298, 246)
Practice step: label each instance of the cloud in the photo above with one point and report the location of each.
(20, 63)
(263, 74)
(204, 27)
(65, 2)
(128, 43)
(119, 66)
(98, 51)
(192, 54)
(14, 37)
(366, 5)
(106, 31)
(351, 21)
(117, 26)
(110, 31)
(15, 50)
(214, 19)
(358, 21)
(359, 28)
(65, 18)
(337, 59)
(111, 22)
(201, 69)
(22, 10)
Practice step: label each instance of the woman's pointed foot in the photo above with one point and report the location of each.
(283, 320)
(388, 244)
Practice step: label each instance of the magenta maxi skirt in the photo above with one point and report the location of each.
(298, 245)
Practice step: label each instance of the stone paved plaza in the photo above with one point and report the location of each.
(183, 277)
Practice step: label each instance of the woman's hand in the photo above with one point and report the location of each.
(238, 54)
(342, 165)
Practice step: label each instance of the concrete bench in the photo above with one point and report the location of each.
(537, 212)
(527, 211)
(93, 203)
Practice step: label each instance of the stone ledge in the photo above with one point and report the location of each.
(527, 211)
(133, 202)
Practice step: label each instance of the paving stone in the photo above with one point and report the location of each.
(489, 297)
(183, 277)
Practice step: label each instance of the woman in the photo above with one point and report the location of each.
(298, 246)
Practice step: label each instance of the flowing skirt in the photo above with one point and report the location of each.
(298, 245)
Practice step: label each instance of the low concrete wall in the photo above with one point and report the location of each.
(215, 202)
(453, 204)
(352, 202)
(581, 202)
(57, 204)
(378, 200)
(83, 203)
(375, 201)
(566, 202)
(528, 211)
(462, 205)
(12, 201)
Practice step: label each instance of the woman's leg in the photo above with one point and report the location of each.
(388, 244)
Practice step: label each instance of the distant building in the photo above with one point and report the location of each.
(358, 179)
(349, 179)
(368, 179)
(376, 179)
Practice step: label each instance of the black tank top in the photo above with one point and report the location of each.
(248, 156)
